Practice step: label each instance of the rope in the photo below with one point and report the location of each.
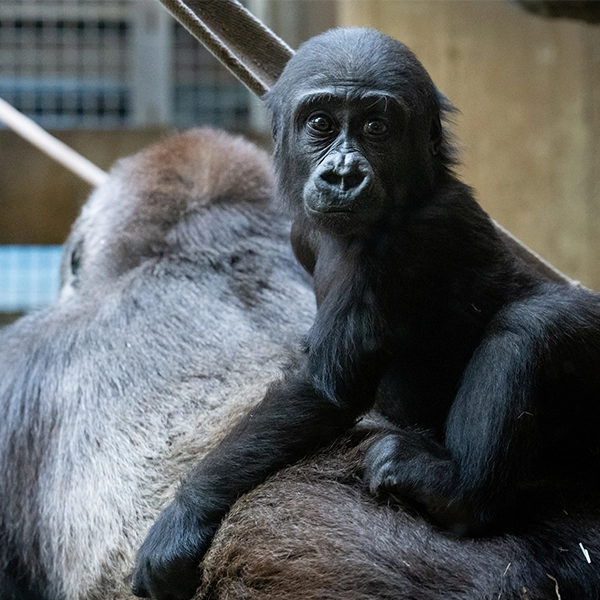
(532, 258)
(47, 143)
(251, 51)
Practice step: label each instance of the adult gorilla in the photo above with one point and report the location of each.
(174, 314)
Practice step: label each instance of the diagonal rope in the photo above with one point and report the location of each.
(53, 147)
(532, 258)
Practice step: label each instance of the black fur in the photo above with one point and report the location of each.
(423, 313)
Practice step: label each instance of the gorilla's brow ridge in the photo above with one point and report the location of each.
(332, 96)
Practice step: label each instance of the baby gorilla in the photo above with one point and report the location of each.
(488, 369)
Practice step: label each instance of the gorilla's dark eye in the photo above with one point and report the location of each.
(76, 258)
(320, 123)
(375, 127)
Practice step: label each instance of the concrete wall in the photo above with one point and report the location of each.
(529, 93)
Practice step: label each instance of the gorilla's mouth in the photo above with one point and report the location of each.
(319, 202)
(331, 213)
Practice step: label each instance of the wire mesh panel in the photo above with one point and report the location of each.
(65, 62)
(87, 64)
(204, 91)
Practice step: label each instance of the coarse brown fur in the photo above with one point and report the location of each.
(313, 532)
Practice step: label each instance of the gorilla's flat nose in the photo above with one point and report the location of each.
(343, 171)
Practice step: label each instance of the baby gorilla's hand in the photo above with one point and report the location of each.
(410, 464)
(167, 564)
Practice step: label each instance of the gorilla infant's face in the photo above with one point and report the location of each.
(356, 121)
(348, 138)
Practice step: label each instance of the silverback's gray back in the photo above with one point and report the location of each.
(180, 302)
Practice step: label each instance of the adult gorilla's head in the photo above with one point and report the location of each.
(171, 199)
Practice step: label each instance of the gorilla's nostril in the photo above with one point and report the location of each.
(352, 180)
(331, 177)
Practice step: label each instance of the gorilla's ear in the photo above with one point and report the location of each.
(443, 112)
(71, 265)
(75, 261)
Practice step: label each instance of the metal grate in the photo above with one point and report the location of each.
(65, 63)
(204, 91)
(98, 64)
